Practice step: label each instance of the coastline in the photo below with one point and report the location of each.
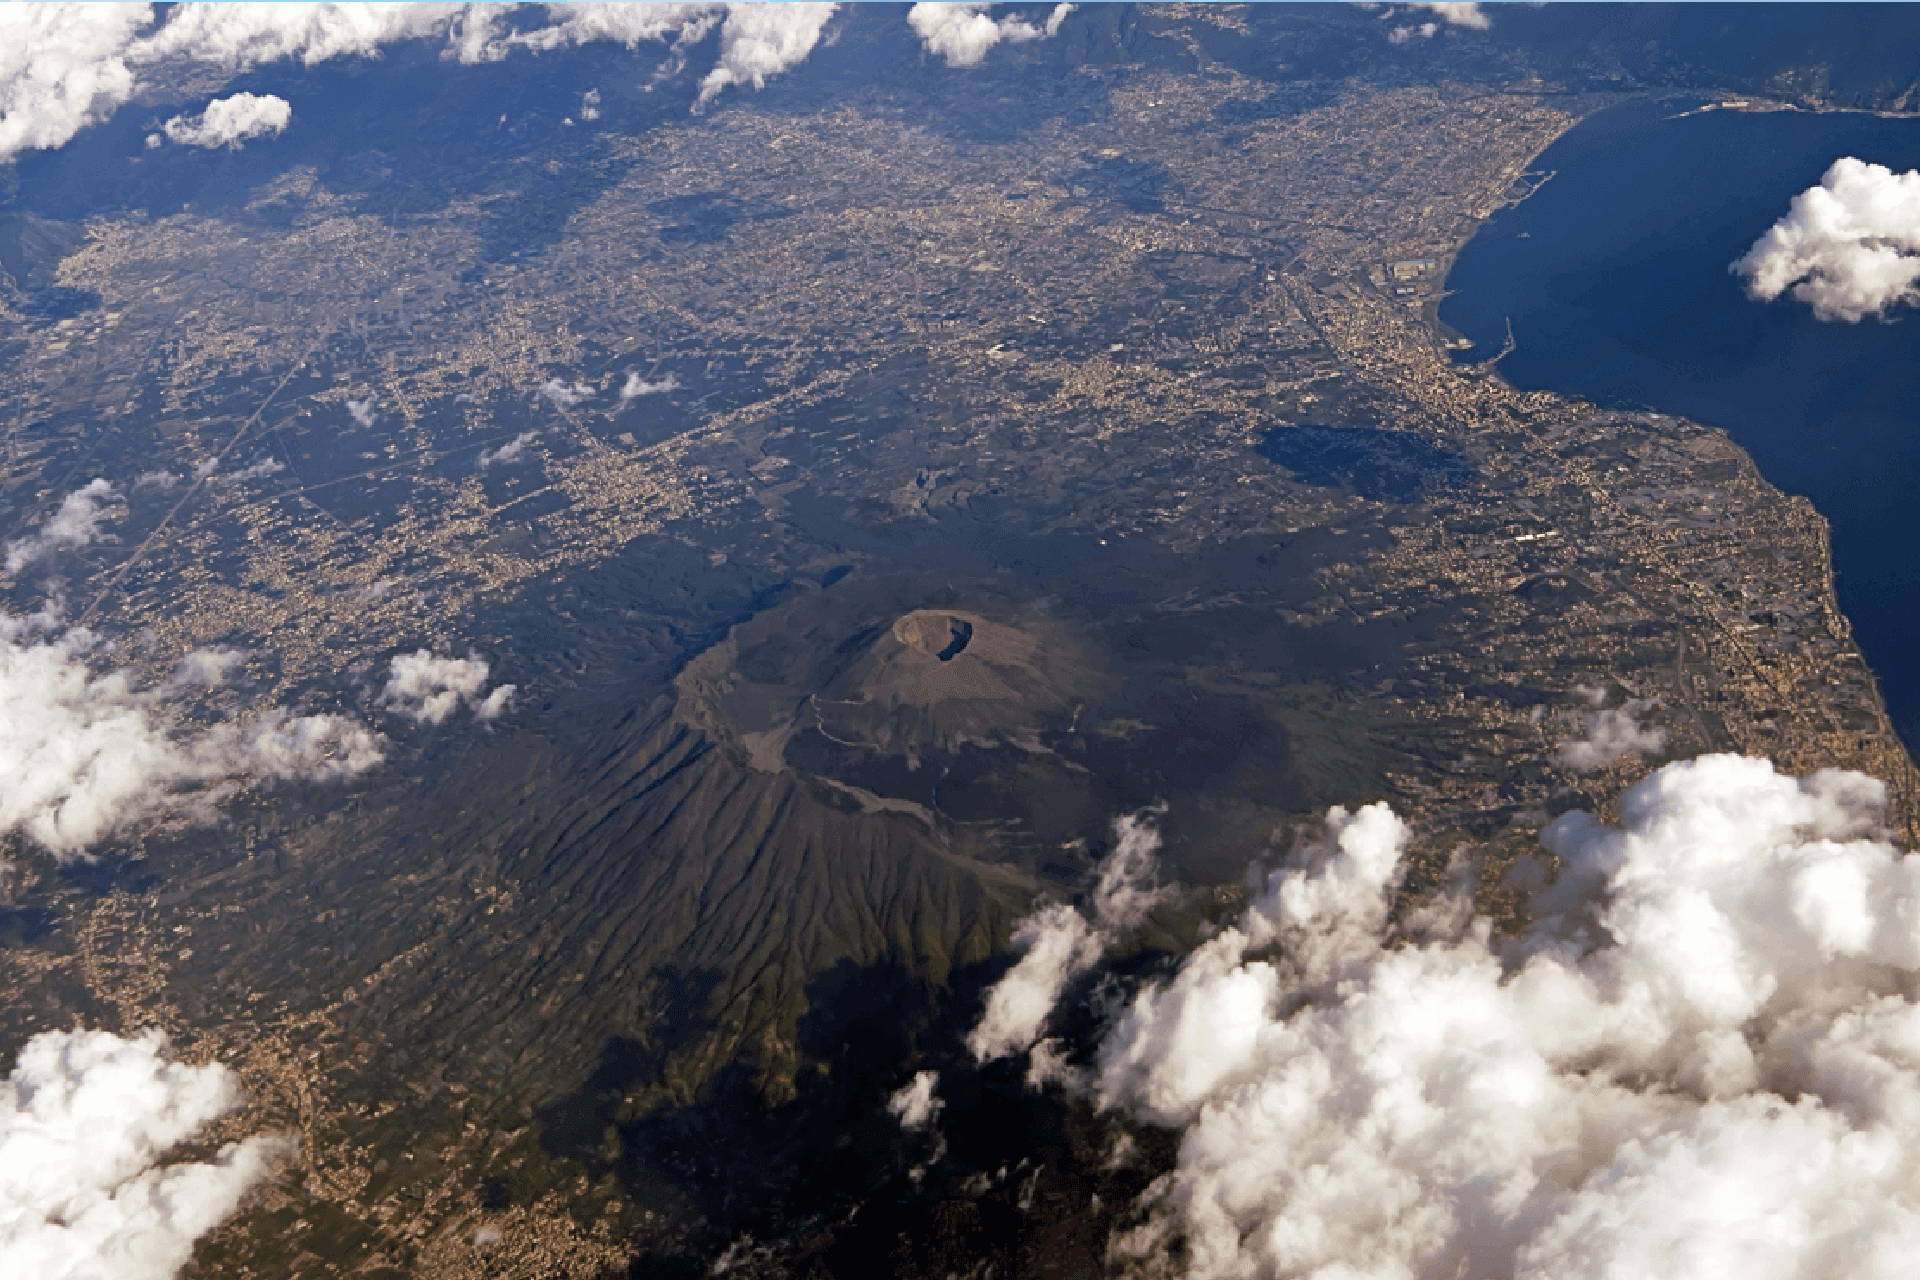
(1881, 752)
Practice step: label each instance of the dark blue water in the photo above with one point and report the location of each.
(1615, 277)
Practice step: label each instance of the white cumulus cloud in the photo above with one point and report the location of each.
(66, 66)
(637, 386)
(75, 524)
(1703, 1060)
(756, 40)
(511, 451)
(482, 39)
(1457, 14)
(228, 122)
(238, 36)
(86, 1118)
(62, 67)
(428, 689)
(760, 40)
(1849, 247)
(257, 470)
(962, 33)
(1057, 943)
(86, 755)
(564, 395)
(915, 1104)
(1613, 733)
(207, 666)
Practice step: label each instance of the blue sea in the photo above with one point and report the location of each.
(1615, 277)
